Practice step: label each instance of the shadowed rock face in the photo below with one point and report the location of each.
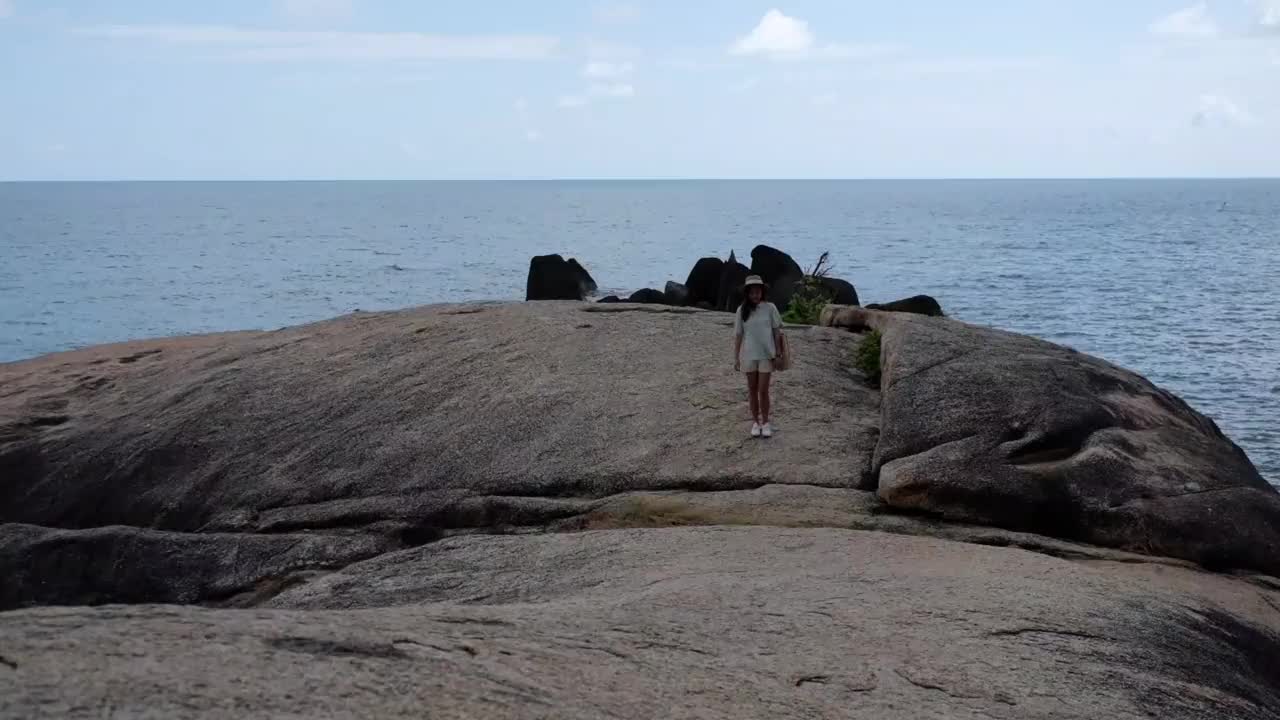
(918, 305)
(551, 277)
(995, 428)
(731, 279)
(704, 281)
(698, 622)
(779, 270)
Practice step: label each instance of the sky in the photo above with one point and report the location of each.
(436, 89)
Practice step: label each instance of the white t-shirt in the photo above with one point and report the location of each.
(757, 332)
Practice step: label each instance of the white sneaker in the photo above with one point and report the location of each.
(756, 430)
(766, 430)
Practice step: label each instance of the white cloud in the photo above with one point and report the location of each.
(294, 45)
(1192, 22)
(1268, 15)
(6, 9)
(532, 135)
(615, 13)
(781, 37)
(777, 34)
(1219, 111)
(599, 70)
(316, 11)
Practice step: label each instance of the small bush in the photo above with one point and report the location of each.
(867, 357)
(808, 300)
(807, 303)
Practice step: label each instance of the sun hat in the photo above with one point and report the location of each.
(754, 280)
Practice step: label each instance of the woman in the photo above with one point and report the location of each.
(757, 331)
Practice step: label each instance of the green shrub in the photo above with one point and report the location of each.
(867, 357)
(807, 303)
(808, 300)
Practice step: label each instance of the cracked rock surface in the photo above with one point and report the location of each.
(675, 623)
(552, 510)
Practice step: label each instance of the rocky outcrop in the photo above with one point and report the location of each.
(551, 277)
(704, 281)
(779, 270)
(842, 291)
(984, 426)
(487, 510)
(435, 420)
(731, 279)
(648, 296)
(676, 295)
(917, 305)
(1025, 434)
(692, 622)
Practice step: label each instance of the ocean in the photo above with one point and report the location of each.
(1176, 279)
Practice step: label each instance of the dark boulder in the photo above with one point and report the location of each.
(731, 278)
(832, 290)
(773, 265)
(610, 299)
(842, 291)
(587, 282)
(676, 294)
(704, 305)
(551, 277)
(779, 270)
(648, 296)
(704, 281)
(917, 305)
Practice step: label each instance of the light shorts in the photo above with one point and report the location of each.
(758, 366)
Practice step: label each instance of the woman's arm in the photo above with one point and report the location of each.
(777, 327)
(737, 351)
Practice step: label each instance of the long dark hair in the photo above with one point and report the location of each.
(749, 307)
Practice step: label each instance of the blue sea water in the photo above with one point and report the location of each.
(1176, 279)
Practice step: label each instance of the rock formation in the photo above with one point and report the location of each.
(553, 508)
(648, 296)
(551, 277)
(731, 279)
(918, 304)
(676, 295)
(704, 281)
(779, 270)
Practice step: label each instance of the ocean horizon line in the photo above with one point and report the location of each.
(642, 179)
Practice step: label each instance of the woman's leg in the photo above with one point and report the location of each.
(762, 389)
(753, 396)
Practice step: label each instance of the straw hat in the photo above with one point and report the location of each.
(754, 280)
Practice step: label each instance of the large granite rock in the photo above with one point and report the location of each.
(1001, 429)
(676, 295)
(551, 277)
(917, 305)
(676, 623)
(731, 279)
(779, 270)
(409, 416)
(842, 291)
(403, 499)
(704, 281)
(647, 296)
